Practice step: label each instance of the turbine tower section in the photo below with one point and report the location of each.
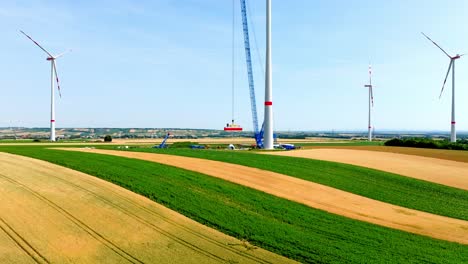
(453, 132)
(371, 104)
(52, 102)
(268, 120)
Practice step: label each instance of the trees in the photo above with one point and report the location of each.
(108, 138)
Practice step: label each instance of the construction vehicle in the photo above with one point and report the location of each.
(163, 143)
(288, 146)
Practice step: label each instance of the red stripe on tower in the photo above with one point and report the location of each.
(268, 103)
(52, 120)
(453, 123)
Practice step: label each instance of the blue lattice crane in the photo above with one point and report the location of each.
(253, 104)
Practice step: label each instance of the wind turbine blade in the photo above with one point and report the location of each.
(36, 44)
(370, 74)
(63, 53)
(436, 45)
(448, 71)
(57, 79)
(372, 95)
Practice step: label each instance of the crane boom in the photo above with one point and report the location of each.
(253, 103)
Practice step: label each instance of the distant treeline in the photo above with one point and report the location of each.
(428, 143)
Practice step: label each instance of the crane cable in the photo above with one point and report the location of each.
(233, 55)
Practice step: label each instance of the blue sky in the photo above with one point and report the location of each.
(166, 63)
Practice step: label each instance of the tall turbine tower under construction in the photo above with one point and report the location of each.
(268, 120)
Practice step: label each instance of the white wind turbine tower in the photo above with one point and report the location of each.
(268, 119)
(453, 133)
(371, 103)
(53, 74)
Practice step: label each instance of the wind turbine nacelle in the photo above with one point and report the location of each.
(368, 86)
(49, 58)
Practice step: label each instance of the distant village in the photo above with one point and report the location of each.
(18, 133)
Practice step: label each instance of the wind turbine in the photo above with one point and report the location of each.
(53, 75)
(453, 134)
(371, 103)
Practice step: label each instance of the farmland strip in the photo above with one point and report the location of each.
(325, 198)
(45, 178)
(146, 222)
(446, 172)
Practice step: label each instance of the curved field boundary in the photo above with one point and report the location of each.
(454, 155)
(375, 184)
(113, 224)
(314, 195)
(446, 172)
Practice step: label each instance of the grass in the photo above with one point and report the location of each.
(383, 186)
(279, 225)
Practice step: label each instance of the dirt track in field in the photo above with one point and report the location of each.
(51, 214)
(314, 195)
(446, 172)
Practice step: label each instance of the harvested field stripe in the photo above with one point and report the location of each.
(325, 198)
(22, 243)
(96, 235)
(181, 241)
(145, 222)
(161, 231)
(446, 172)
(454, 155)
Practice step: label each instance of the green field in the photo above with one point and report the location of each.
(282, 226)
(378, 185)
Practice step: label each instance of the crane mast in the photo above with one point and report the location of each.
(258, 134)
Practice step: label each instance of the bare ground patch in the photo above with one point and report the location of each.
(315, 195)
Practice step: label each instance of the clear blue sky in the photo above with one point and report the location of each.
(164, 63)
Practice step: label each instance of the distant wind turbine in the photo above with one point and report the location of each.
(453, 134)
(54, 75)
(371, 103)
